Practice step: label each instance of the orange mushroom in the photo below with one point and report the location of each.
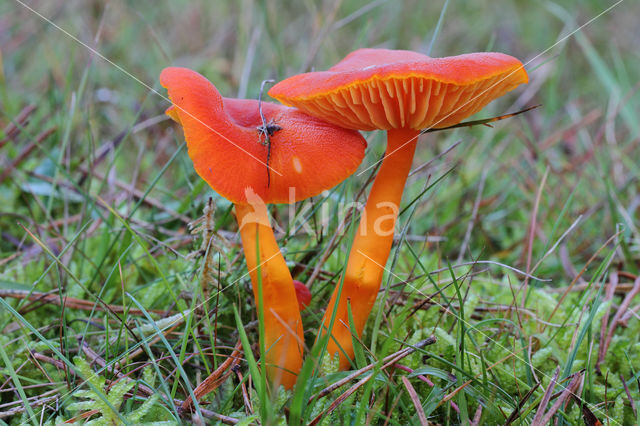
(304, 156)
(402, 92)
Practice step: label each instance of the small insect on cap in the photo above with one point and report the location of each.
(226, 140)
(390, 89)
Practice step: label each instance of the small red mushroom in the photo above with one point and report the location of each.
(302, 294)
(226, 142)
(402, 92)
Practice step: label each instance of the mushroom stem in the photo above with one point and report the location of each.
(283, 338)
(371, 245)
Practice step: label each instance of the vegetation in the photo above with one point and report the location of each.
(510, 294)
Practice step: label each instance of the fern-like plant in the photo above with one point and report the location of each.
(94, 404)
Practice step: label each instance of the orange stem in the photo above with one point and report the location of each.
(282, 323)
(371, 245)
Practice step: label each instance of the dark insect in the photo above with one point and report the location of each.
(266, 130)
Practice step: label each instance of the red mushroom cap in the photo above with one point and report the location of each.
(303, 294)
(387, 89)
(229, 153)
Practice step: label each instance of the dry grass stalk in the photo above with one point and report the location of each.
(206, 227)
(24, 154)
(74, 303)
(387, 362)
(615, 321)
(216, 378)
(415, 400)
(570, 390)
(537, 420)
(425, 379)
(145, 390)
(13, 128)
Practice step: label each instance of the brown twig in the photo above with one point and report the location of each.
(537, 420)
(532, 227)
(622, 288)
(25, 152)
(570, 390)
(216, 378)
(628, 392)
(394, 358)
(13, 128)
(453, 393)
(516, 413)
(425, 379)
(339, 400)
(138, 194)
(72, 303)
(248, 408)
(482, 122)
(40, 357)
(632, 312)
(614, 322)
(611, 288)
(34, 401)
(477, 416)
(416, 401)
(387, 361)
(94, 357)
(584, 268)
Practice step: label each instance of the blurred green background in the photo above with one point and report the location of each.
(82, 129)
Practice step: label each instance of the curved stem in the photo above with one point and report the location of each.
(283, 338)
(371, 245)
